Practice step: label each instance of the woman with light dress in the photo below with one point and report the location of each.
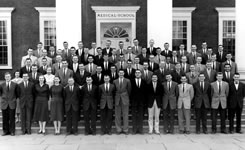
(17, 79)
(49, 77)
(41, 113)
(56, 110)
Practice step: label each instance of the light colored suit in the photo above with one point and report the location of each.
(200, 68)
(64, 78)
(185, 97)
(126, 56)
(233, 67)
(217, 97)
(33, 60)
(93, 52)
(40, 63)
(192, 78)
(38, 53)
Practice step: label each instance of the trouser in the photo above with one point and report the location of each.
(201, 115)
(137, 118)
(222, 113)
(90, 120)
(8, 120)
(154, 111)
(168, 119)
(121, 111)
(106, 119)
(26, 119)
(71, 121)
(232, 112)
(184, 115)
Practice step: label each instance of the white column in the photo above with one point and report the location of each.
(68, 22)
(159, 22)
(240, 36)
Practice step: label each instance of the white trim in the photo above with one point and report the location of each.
(225, 13)
(5, 14)
(185, 13)
(115, 10)
(45, 14)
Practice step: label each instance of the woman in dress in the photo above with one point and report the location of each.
(41, 104)
(17, 79)
(49, 78)
(56, 93)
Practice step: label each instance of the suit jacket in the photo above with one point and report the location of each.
(55, 68)
(222, 58)
(154, 49)
(202, 96)
(156, 59)
(217, 97)
(96, 80)
(113, 60)
(124, 51)
(8, 98)
(26, 95)
(233, 67)
(35, 53)
(186, 69)
(33, 60)
(236, 96)
(217, 66)
(39, 61)
(53, 57)
(170, 96)
(79, 79)
(126, 56)
(93, 52)
(104, 51)
(192, 78)
(129, 76)
(161, 76)
(138, 94)
(154, 95)
(226, 79)
(34, 80)
(179, 55)
(42, 70)
(143, 59)
(169, 68)
(147, 79)
(84, 59)
(104, 71)
(185, 97)
(93, 69)
(210, 78)
(73, 69)
(191, 59)
(106, 97)
(176, 60)
(98, 60)
(80, 54)
(155, 67)
(164, 53)
(200, 68)
(122, 92)
(64, 79)
(177, 76)
(24, 70)
(89, 97)
(72, 98)
(114, 77)
(140, 67)
(118, 65)
(138, 51)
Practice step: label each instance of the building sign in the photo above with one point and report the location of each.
(115, 15)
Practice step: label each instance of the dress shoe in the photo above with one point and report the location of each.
(157, 132)
(205, 132)
(181, 132)
(197, 132)
(40, 132)
(76, 133)
(224, 132)
(187, 132)
(240, 132)
(4, 134)
(125, 132)
(214, 132)
(12, 134)
(231, 132)
(86, 133)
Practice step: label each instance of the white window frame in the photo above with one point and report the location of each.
(184, 13)
(225, 13)
(5, 14)
(45, 14)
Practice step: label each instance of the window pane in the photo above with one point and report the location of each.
(179, 33)
(49, 33)
(3, 43)
(229, 36)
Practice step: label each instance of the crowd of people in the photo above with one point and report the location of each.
(58, 85)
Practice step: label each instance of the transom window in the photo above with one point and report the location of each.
(116, 32)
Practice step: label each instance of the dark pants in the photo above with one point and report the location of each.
(71, 121)
(137, 118)
(168, 119)
(8, 120)
(222, 113)
(106, 119)
(232, 112)
(201, 115)
(90, 120)
(26, 114)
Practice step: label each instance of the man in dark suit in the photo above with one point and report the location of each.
(219, 94)
(170, 95)
(43, 68)
(182, 51)
(9, 91)
(98, 76)
(64, 74)
(146, 74)
(184, 65)
(26, 95)
(80, 50)
(221, 55)
(177, 73)
(106, 97)
(72, 104)
(121, 64)
(175, 59)
(235, 103)
(227, 74)
(89, 97)
(229, 61)
(215, 64)
(34, 75)
(144, 57)
(161, 72)
(151, 50)
(106, 65)
(113, 75)
(107, 50)
(84, 58)
(74, 65)
(80, 76)
(98, 59)
(129, 71)
(166, 52)
(209, 73)
(154, 101)
(136, 49)
(114, 58)
(123, 91)
(26, 68)
(201, 102)
(191, 57)
(138, 99)
(207, 56)
(51, 53)
(152, 65)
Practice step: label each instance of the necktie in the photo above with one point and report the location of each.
(202, 85)
(120, 83)
(183, 88)
(154, 86)
(59, 65)
(169, 86)
(8, 87)
(90, 68)
(146, 74)
(107, 86)
(81, 73)
(71, 88)
(219, 87)
(129, 57)
(26, 84)
(35, 76)
(213, 65)
(228, 75)
(121, 65)
(64, 72)
(159, 59)
(152, 66)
